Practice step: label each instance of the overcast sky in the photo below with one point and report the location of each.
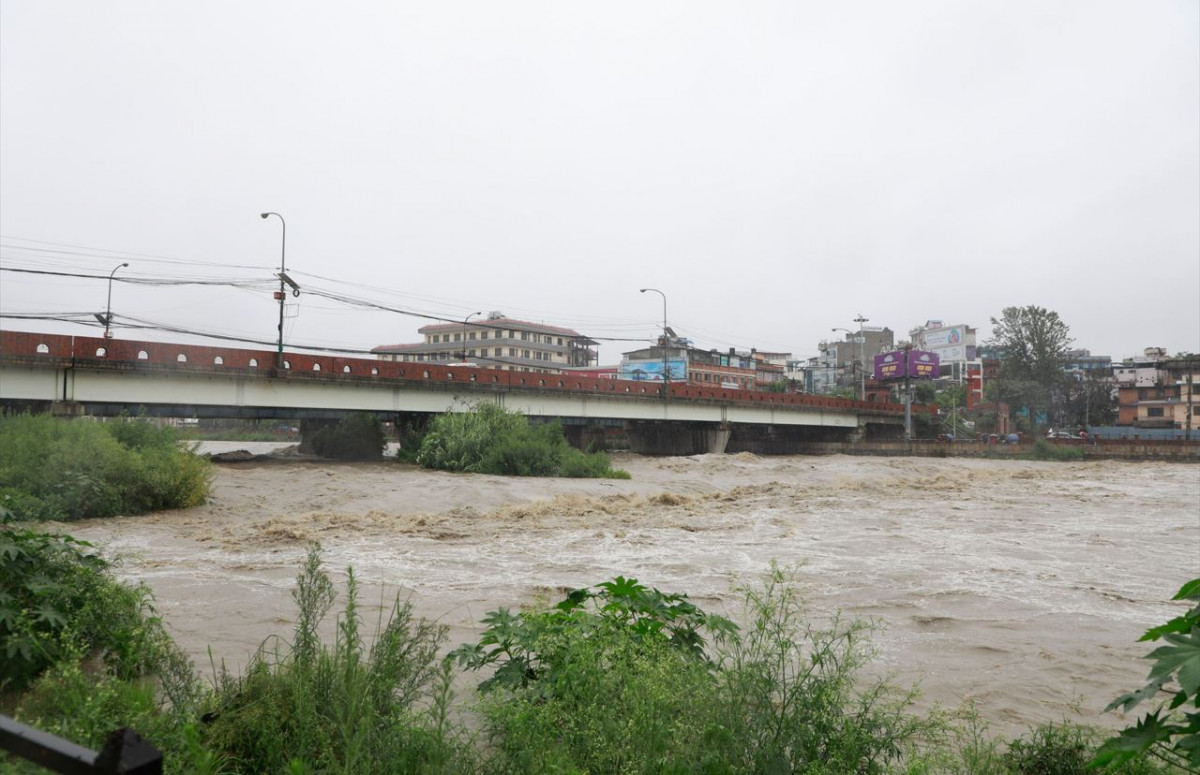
(775, 168)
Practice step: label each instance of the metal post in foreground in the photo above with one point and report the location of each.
(124, 752)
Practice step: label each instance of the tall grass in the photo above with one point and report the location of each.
(63, 470)
(310, 707)
(489, 439)
(1044, 450)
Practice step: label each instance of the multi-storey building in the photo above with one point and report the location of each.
(708, 368)
(954, 344)
(498, 342)
(1169, 400)
(848, 363)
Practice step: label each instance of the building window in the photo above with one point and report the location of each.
(483, 334)
(524, 353)
(471, 353)
(512, 352)
(458, 337)
(1154, 411)
(524, 336)
(560, 341)
(471, 335)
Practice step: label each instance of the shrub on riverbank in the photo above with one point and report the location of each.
(357, 437)
(309, 707)
(622, 680)
(60, 603)
(491, 440)
(64, 470)
(1044, 450)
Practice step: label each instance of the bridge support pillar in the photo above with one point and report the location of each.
(717, 439)
(676, 438)
(66, 409)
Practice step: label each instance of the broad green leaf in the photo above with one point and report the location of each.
(1181, 658)
(1126, 702)
(1189, 591)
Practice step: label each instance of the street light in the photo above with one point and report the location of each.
(862, 357)
(282, 270)
(108, 307)
(463, 354)
(666, 368)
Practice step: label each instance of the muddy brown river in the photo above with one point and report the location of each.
(1018, 586)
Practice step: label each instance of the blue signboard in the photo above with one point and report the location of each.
(652, 371)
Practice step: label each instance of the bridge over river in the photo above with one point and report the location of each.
(77, 375)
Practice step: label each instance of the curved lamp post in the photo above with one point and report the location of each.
(666, 367)
(108, 306)
(463, 354)
(282, 271)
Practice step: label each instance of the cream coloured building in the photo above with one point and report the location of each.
(497, 342)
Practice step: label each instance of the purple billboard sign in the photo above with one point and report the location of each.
(889, 365)
(924, 365)
(920, 365)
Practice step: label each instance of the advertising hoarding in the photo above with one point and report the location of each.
(652, 371)
(920, 364)
(923, 365)
(889, 365)
(939, 338)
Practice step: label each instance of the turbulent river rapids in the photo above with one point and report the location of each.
(1020, 587)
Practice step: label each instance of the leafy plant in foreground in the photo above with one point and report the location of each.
(524, 646)
(58, 601)
(1168, 733)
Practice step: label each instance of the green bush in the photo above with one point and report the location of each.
(1044, 450)
(58, 601)
(411, 438)
(491, 440)
(58, 469)
(357, 437)
(345, 708)
(621, 681)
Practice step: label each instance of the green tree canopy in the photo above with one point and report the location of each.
(1032, 342)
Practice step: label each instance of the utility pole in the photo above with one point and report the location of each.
(666, 365)
(108, 307)
(284, 281)
(907, 393)
(862, 358)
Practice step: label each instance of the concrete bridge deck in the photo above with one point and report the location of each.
(89, 375)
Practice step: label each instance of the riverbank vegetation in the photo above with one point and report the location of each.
(356, 437)
(619, 677)
(491, 440)
(63, 470)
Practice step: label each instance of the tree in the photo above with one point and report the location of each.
(1091, 400)
(1032, 342)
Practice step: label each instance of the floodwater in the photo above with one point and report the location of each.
(1018, 586)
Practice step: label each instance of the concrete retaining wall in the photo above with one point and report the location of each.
(1181, 451)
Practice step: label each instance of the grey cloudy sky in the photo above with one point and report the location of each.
(775, 168)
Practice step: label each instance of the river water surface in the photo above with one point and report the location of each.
(1018, 586)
